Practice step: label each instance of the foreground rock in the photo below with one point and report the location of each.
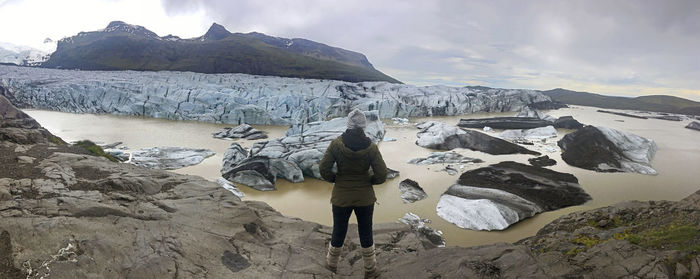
(169, 158)
(240, 98)
(291, 157)
(438, 135)
(497, 196)
(693, 125)
(18, 127)
(607, 150)
(504, 123)
(243, 131)
(626, 240)
(411, 192)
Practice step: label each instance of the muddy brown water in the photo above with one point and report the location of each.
(677, 161)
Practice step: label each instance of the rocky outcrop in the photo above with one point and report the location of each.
(694, 125)
(543, 161)
(567, 122)
(607, 150)
(169, 158)
(497, 196)
(18, 127)
(240, 98)
(243, 131)
(610, 242)
(438, 135)
(504, 123)
(530, 134)
(444, 158)
(411, 192)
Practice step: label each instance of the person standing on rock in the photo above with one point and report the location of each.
(353, 153)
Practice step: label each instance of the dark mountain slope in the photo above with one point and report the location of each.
(122, 46)
(659, 103)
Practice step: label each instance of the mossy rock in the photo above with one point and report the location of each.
(94, 149)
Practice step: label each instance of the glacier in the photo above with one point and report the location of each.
(242, 98)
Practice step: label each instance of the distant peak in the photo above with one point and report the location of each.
(216, 32)
(116, 23)
(120, 26)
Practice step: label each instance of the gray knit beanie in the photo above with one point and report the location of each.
(357, 119)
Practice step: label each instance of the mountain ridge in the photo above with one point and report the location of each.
(656, 103)
(122, 46)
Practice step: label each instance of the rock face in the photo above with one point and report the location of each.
(504, 123)
(411, 192)
(607, 150)
(543, 161)
(18, 127)
(293, 156)
(169, 158)
(567, 122)
(693, 125)
(240, 98)
(438, 135)
(530, 134)
(444, 158)
(243, 131)
(497, 196)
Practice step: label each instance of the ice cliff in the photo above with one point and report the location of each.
(241, 98)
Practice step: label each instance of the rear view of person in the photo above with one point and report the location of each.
(353, 153)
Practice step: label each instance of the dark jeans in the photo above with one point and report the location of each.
(341, 216)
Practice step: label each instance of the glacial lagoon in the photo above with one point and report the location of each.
(677, 162)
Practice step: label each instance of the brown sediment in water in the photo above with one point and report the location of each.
(677, 161)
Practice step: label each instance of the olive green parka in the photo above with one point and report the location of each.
(353, 182)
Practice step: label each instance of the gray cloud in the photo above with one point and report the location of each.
(584, 45)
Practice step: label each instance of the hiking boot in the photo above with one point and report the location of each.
(370, 260)
(332, 257)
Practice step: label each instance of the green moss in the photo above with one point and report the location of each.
(95, 149)
(55, 139)
(588, 241)
(592, 223)
(677, 236)
(575, 251)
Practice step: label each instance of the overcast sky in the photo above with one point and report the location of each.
(624, 48)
